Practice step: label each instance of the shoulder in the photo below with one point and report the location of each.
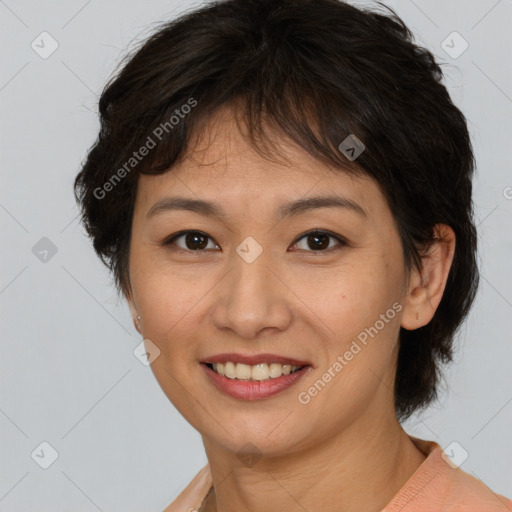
(438, 485)
(469, 494)
(193, 495)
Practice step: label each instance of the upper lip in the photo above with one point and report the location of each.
(254, 359)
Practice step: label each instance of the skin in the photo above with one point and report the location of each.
(344, 450)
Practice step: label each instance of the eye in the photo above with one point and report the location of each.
(319, 241)
(316, 241)
(193, 240)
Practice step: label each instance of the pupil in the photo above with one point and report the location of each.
(319, 236)
(191, 239)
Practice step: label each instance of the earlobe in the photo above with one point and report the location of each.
(426, 287)
(135, 315)
(137, 324)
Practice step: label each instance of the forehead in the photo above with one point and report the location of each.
(222, 165)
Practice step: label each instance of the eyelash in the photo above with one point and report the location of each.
(170, 241)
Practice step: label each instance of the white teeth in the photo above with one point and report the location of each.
(219, 367)
(275, 370)
(229, 370)
(259, 372)
(243, 371)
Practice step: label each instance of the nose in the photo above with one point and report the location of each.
(252, 298)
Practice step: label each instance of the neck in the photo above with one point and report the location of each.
(361, 468)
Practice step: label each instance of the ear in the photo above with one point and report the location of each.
(426, 287)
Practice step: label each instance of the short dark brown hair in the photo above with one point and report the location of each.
(315, 71)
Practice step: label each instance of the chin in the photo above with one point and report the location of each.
(261, 439)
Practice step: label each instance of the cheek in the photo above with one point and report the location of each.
(170, 306)
(167, 299)
(361, 306)
(351, 297)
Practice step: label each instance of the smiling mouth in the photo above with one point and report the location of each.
(256, 372)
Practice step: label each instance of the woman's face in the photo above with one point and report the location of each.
(256, 283)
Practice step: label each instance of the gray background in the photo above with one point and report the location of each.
(68, 373)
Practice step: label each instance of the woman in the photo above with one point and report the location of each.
(282, 190)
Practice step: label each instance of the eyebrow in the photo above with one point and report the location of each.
(293, 208)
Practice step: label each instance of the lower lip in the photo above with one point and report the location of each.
(252, 389)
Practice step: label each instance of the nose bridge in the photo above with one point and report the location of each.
(251, 298)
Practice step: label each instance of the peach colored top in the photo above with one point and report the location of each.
(434, 487)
